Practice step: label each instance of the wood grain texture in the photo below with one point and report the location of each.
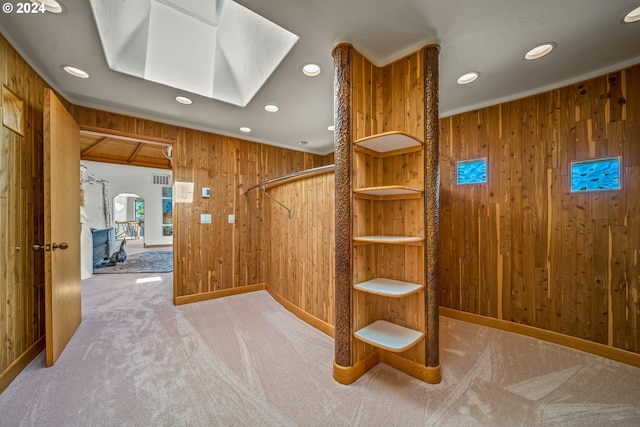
(522, 248)
(12, 111)
(301, 253)
(219, 256)
(343, 111)
(63, 287)
(431, 205)
(22, 323)
(392, 99)
(212, 257)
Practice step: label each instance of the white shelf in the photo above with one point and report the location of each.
(388, 287)
(392, 240)
(392, 191)
(388, 141)
(389, 336)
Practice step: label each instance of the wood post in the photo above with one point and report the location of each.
(342, 55)
(431, 203)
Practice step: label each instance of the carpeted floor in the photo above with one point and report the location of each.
(137, 360)
(144, 262)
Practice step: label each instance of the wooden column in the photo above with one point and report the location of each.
(431, 203)
(342, 55)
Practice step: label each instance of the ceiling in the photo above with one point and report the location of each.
(110, 148)
(489, 36)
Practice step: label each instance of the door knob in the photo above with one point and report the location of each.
(47, 247)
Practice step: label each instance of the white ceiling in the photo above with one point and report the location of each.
(489, 36)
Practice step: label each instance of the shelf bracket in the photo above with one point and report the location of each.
(264, 191)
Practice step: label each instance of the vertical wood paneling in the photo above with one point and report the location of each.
(21, 214)
(385, 99)
(301, 251)
(222, 256)
(564, 262)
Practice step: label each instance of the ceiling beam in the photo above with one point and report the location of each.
(144, 163)
(135, 152)
(89, 130)
(93, 146)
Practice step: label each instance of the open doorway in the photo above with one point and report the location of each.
(123, 163)
(129, 204)
(128, 214)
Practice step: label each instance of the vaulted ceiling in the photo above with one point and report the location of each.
(490, 37)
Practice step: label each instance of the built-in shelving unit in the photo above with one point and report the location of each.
(386, 251)
(380, 208)
(388, 287)
(388, 192)
(388, 144)
(389, 336)
(390, 240)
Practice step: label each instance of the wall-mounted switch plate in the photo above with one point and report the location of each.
(205, 218)
(206, 192)
(232, 219)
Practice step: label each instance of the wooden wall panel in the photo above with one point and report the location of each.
(548, 258)
(222, 256)
(389, 98)
(21, 223)
(300, 247)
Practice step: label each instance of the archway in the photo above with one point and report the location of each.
(128, 215)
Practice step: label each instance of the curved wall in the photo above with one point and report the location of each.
(301, 247)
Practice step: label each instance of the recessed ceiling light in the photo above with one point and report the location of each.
(49, 5)
(302, 143)
(271, 108)
(184, 100)
(540, 51)
(311, 69)
(76, 72)
(633, 16)
(468, 78)
(331, 128)
(245, 129)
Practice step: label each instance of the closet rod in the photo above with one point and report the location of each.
(305, 173)
(280, 203)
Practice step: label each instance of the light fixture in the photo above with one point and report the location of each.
(167, 152)
(271, 108)
(539, 51)
(76, 72)
(471, 77)
(331, 128)
(633, 16)
(245, 129)
(311, 69)
(49, 5)
(184, 100)
(302, 143)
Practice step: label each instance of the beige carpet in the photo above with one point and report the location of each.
(137, 360)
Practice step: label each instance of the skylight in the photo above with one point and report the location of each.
(214, 48)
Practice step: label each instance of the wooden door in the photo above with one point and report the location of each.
(61, 226)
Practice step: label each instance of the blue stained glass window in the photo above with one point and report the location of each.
(472, 171)
(597, 174)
